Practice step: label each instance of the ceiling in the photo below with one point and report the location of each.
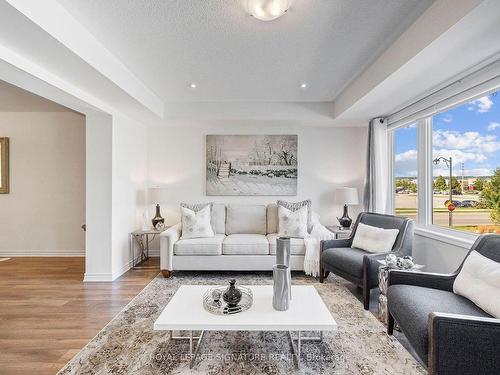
(232, 56)
(14, 99)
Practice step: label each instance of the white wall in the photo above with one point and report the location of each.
(438, 256)
(116, 185)
(129, 188)
(43, 213)
(98, 237)
(328, 158)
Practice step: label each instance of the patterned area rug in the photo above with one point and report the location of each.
(128, 344)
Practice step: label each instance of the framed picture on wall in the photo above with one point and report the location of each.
(251, 165)
(4, 165)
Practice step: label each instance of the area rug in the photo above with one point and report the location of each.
(129, 345)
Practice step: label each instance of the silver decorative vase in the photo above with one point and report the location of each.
(281, 287)
(283, 251)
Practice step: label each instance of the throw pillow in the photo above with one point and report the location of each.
(479, 281)
(198, 206)
(373, 239)
(292, 223)
(294, 206)
(196, 224)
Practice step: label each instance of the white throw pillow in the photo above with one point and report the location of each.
(196, 224)
(293, 223)
(479, 281)
(373, 239)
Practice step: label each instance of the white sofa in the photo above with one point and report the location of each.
(245, 239)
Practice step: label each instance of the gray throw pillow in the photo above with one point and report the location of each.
(294, 206)
(200, 206)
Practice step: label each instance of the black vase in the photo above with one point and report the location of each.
(232, 295)
(158, 221)
(345, 221)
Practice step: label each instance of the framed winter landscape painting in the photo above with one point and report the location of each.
(251, 165)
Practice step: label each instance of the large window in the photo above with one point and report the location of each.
(461, 188)
(405, 171)
(466, 158)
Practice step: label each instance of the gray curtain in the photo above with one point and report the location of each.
(377, 182)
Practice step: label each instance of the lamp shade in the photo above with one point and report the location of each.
(157, 194)
(346, 195)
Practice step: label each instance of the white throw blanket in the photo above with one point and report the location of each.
(311, 258)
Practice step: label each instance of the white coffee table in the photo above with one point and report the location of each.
(307, 312)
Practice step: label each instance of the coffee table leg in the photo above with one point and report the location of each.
(296, 352)
(198, 344)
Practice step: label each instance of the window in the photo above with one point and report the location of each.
(460, 166)
(466, 151)
(405, 171)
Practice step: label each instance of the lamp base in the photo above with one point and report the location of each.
(158, 222)
(345, 221)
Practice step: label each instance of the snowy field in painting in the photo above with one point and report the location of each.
(251, 165)
(251, 185)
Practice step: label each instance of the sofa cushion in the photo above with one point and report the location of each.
(245, 244)
(294, 206)
(297, 245)
(272, 218)
(198, 207)
(479, 280)
(292, 223)
(219, 216)
(196, 224)
(373, 239)
(200, 246)
(347, 259)
(411, 305)
(246, 219)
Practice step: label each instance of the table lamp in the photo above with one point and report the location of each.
(156, 195)
(346, 196)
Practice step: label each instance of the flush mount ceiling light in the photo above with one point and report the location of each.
(193, 85)
(266, 10)
(303, 85)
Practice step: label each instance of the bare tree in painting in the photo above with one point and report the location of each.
(287, 149)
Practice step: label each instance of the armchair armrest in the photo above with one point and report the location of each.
(423, 279)
(341, 242)
(461, 344)
(167, 240)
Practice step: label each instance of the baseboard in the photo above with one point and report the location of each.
(97, 277)
(122, 270)
(42, 253)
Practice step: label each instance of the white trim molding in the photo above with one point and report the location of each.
(42, 253)
(97, 277)
(449, 236)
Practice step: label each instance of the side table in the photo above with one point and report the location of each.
(339, 232)
(383, 279)
(141, 238)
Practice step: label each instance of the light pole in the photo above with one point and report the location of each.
(449, 164)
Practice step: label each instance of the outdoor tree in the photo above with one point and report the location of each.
(479, 184)
(440, 183)
(456, 186)
(490, 197)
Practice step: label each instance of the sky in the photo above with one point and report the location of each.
(469, 133)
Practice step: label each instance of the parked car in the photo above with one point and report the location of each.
(469, 203)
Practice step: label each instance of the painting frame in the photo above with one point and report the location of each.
(4, 165)
(251, 164)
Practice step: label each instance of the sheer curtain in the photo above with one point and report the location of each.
(378, 177)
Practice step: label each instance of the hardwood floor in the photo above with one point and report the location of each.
(47, 314)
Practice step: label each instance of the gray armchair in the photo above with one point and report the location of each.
(448, 332)
(358, 266)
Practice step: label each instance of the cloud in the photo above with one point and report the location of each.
(459, 156)
(470, 141)
(493, 125)
(447, 118)
(407, 155)
(481, 105)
